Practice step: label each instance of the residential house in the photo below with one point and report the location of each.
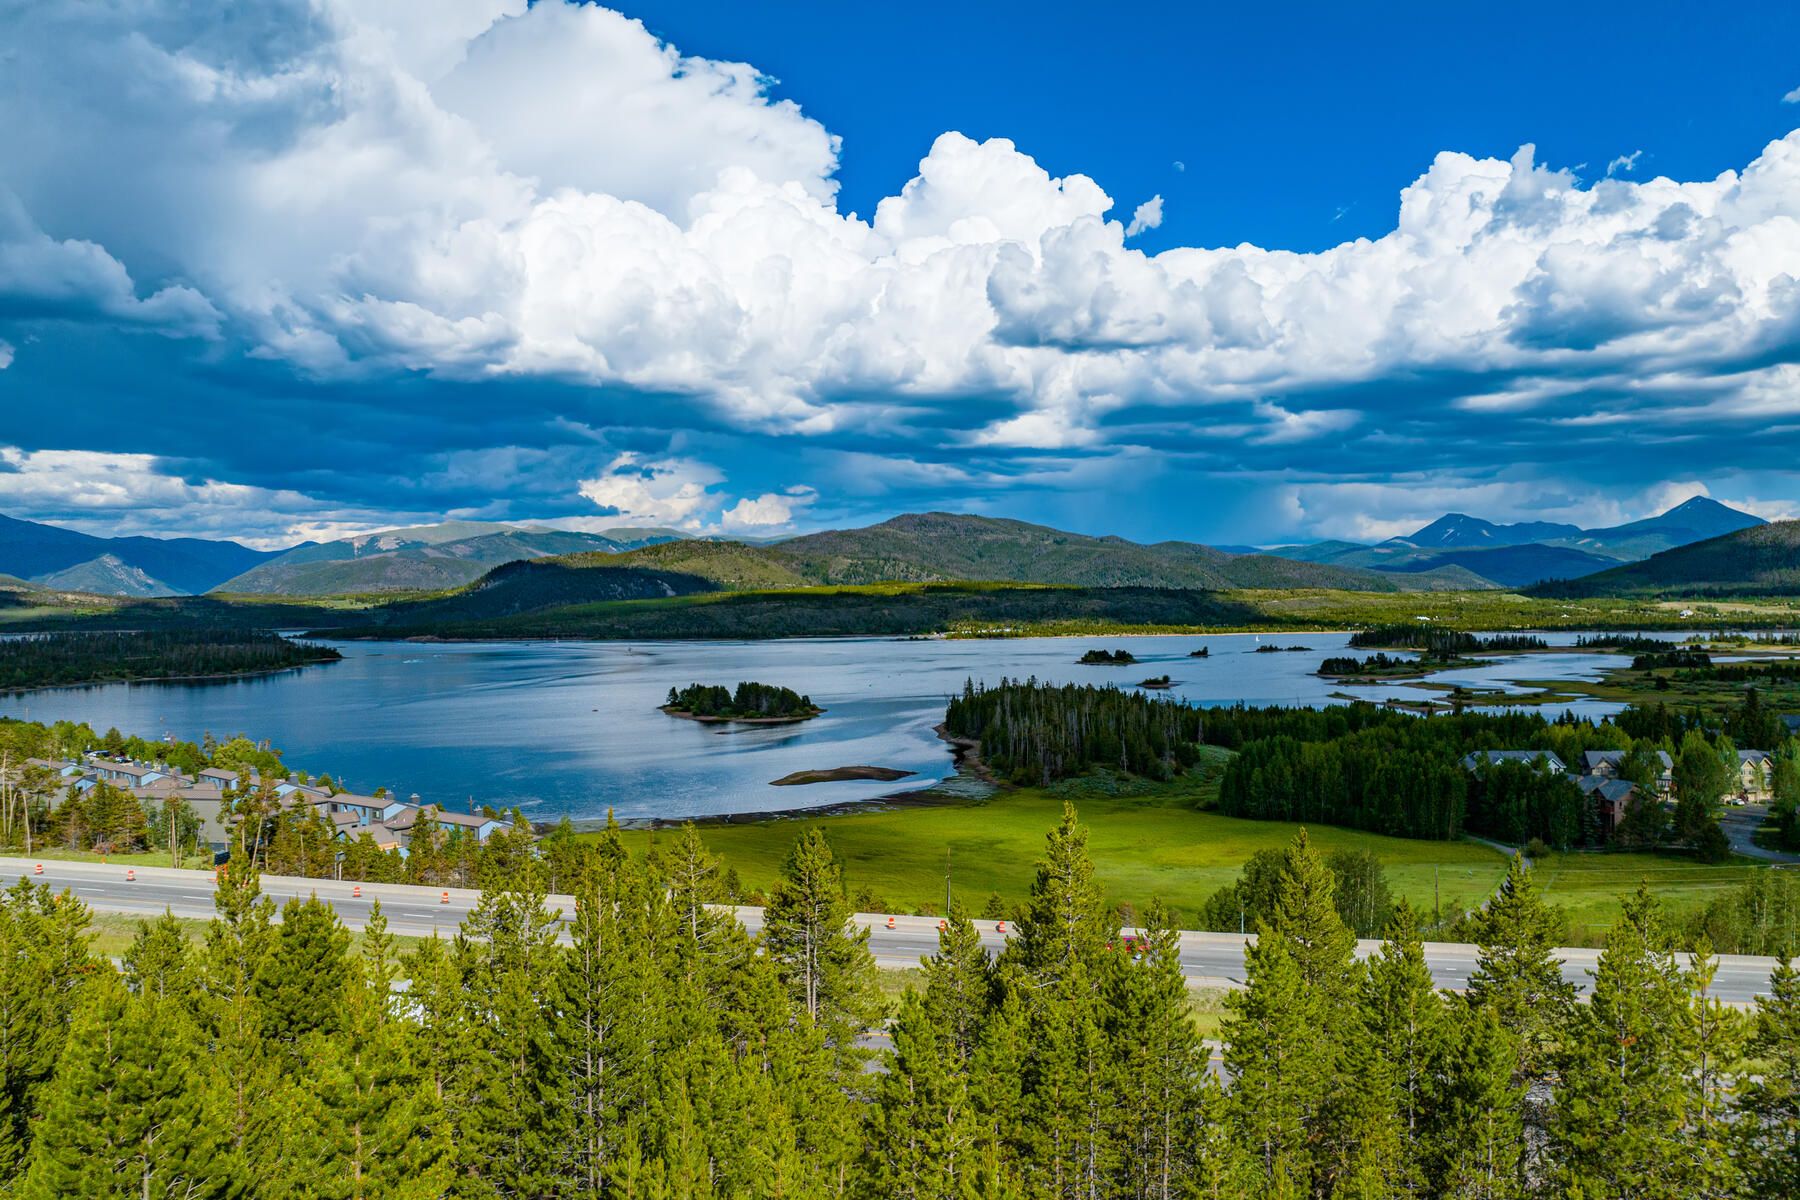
(1612, 799)
(385, 839)
(1756, 776)
(1605, 765)
(481, 827)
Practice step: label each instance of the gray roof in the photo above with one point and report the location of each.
(1529, 757)
(1591, 759)
(1616, 790)
(1756, 756)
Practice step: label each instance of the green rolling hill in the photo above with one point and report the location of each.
(1763, 560)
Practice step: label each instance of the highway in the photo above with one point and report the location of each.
(1207, 959)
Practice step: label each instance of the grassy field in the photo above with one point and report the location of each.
(1589, 886)
(1154, 842)
(113, 933)
(140, 858)
(1149, 845)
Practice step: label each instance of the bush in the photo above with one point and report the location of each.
(1536, 849)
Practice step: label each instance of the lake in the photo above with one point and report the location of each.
(573, 727)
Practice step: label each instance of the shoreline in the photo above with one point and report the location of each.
(216, 677)
(962, 785)
(711, 720)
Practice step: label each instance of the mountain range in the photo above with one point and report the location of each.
(1530, 552)
(1455, 552)
(423, 559)
(124, 566)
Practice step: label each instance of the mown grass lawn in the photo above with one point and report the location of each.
(1590, 886)
(1144, 846)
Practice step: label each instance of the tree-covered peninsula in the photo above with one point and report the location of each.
(55, 659)
(750, 702)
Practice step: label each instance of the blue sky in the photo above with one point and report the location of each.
(1234, 276)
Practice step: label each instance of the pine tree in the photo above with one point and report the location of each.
(1405, 1017)
(1392, 1052)
(1768, 1102)
(1620, 1108)
(1065, 926)
(126, 1114)
(380, 1131)
(924, 1132)
(44, 963)
(1294, 1020)
(926, 1138)
(1518, 975)
(1279, 1059)
(160, 961)
(238, 942)
(605, 1020)
(1718, 1035)
(808, 930)
(1159, 1061)
(959, 984)
(1475, 1110)
(513, 1112)
(1060, 965)
(303, 984)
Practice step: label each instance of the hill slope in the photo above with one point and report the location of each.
(428, 558)
(107, 576)
(1760, 561)
(941, 547)
(32, 550)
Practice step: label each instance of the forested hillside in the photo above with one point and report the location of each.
(1761, 561)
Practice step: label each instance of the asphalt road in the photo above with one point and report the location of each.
(1208, 959)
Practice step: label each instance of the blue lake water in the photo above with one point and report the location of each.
(573, 727)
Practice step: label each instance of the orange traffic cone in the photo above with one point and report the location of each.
(445, 899)
(943, 925)
(130, 875)
(356, 892)
(1000, 928)
(40, 869)
(890, 922)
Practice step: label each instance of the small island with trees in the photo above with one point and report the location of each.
(1158, 682)
(755, 703)
(1384, 666)
(1107, 658)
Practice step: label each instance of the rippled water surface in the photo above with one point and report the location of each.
(573, 727)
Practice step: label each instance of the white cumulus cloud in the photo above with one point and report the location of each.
(671, 491)
(771, 510)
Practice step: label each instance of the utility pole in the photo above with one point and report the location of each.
(946, 882)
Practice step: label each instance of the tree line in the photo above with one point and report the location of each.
(1038, 733)
(657, 1049)
(1439, 643)
(56, 659)
(1367, 767)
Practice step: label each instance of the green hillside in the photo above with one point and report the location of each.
(895, 610)
(1761, 561)
(937, 547)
